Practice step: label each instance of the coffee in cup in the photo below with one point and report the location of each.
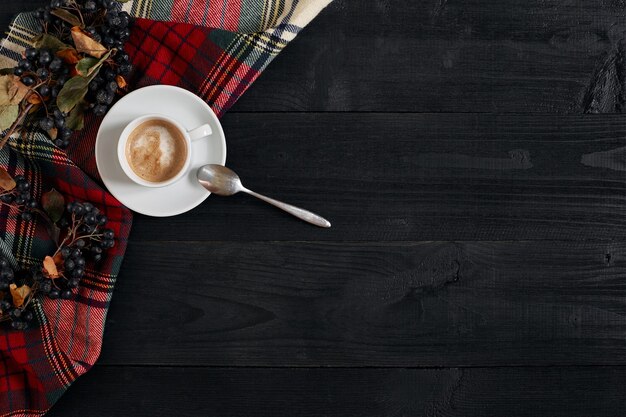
(156, 150)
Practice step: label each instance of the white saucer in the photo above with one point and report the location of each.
(191, 112)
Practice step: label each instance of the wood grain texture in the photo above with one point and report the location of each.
(417, 177)
(369, 304)
(538, 56)
(530, 392)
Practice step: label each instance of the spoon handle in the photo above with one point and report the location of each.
(302, 214)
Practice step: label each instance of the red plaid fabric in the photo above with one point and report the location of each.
(215, 49)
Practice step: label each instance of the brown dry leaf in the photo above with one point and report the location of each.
(58, 259)
(19, 294)
(12, 90)
(17, 90)
(53, 133)
(8, 115)
(34, 99)
(121, 81)
(7, 182)
(6, 82)
(85, 44)
(50, 267)
(69, 56)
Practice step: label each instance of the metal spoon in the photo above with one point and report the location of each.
(224, 181)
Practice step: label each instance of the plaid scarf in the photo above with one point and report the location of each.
(215, 49)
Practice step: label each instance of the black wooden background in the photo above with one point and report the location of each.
(472, 158)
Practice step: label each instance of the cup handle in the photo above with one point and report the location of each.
(200, 132)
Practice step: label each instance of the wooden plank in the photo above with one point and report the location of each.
(193, 392)
(417, 177)
(446, 56)
(369, 304)
(451, 56)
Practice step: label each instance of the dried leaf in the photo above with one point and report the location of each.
(53, 204)
(8, 115)
(5, 85)
(7, 183)
(72, 93)
(34, 99)
(87, 65)
(12, 90)
(45, 40)
(67, 16)
(50, 267)
(58, 258)
(76, 88)
(53, 133)
(76, 118)
(19, 294)
(85, 44)
(17, 90)
(121, 81)
(53, 231)
(69, 55)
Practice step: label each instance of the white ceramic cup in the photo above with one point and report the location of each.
(188, 135)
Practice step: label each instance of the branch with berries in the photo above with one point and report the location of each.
(82, 240)
(75, 66)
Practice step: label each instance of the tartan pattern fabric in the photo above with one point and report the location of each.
(214, 48)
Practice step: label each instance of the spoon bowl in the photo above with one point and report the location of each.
(219, 180)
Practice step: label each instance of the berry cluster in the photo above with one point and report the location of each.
(19, 197)
(85, 240)
(115, 29)
(21, 315)
(46, 74)
(112, 33)
(85, 223)
(46, 70)
(103, 87)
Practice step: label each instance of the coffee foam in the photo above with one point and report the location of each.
(156, 151)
